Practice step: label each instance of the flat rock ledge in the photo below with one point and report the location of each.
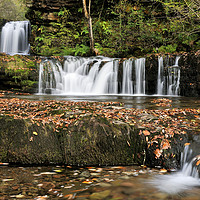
(91, 140)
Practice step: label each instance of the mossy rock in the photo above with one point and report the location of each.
(94, 140)
(23, 142)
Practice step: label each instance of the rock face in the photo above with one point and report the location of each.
(88, 141)
(47, 9)
(97, 141)
(24, 142)
(19, 73)
(190, 74)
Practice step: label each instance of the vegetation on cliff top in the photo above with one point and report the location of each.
(121, 29)
(12, 10)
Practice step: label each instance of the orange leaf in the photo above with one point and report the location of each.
(198, 163)
(145, 132)
(157, 152)
(165, 144)
(186, 144)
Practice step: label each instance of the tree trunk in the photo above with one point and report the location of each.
(88, 17)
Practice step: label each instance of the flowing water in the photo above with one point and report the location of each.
(186, 178)
(103, 76)
(168, 85)
(14, 38)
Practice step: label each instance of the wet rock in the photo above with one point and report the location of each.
(47, 186)
(85, 174)
(104, 184)
(100, 195)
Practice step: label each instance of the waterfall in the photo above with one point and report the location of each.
(102, 75)
(189, 159)
(160, 80)
(168, 83)
(127, 82)
(174, 78)
(14, 38)
(140, 76)
(186, 178)
(79, 76)
(50, 77)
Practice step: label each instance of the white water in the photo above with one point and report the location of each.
(127, 82)
(14, 38)
(185, 179)
(174, 78)
(101, 75)
(140, 76)
(160, 80)
(79, 76)
(168, 85)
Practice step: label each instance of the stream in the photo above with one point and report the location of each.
(101, 182)
(65, 182)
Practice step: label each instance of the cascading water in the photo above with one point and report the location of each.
(140, 76)
(160, 80)
(101, 75)
(14, 38)
(174, 78)
(50, 77)
(168, 84)
(186, 178)
(79, 76)
(127, 82)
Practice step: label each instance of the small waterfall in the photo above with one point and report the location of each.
(79, 76)
(186, 178)
(173, 78)
(50, 77)
(140, 76)
(168, 84)
(99, 75)
(189, 159)
(160, 80)
(14, 38)
(127, 82)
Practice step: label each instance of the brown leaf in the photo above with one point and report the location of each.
(145, 132)
(158, 153)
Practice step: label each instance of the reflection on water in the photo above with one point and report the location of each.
(140, 102)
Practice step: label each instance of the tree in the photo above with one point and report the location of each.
(88, 17)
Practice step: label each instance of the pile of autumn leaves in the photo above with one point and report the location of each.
(156, 125)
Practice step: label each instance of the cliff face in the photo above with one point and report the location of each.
(46, 10)
(190, 74)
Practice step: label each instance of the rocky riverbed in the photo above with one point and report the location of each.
(81, 139)
(92, 183)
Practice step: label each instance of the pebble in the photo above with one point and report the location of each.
(100, 195)
(85, 174)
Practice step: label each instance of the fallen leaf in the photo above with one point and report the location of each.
(186, 144)
(145, 132)
(165, 144)
(198, 163)
(35, 133)
(158, 153)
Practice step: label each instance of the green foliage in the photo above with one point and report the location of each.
(122, 28)
(56, 39)
(82, 50)
(12, 10)
(168, 49)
